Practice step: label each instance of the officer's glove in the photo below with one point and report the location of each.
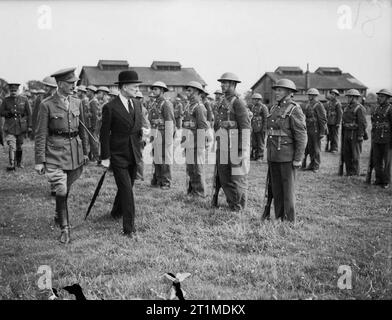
(40, 168)
(297, 164)
(105, 163)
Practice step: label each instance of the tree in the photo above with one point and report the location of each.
(3, 89)
(35, 84)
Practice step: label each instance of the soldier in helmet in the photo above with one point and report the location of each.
(161, 116)
(146, 126)
(50, 89)
(286, 141)
(382, 138)
(259, 126)
(195, 127)
(102, 97)
(178, 111)
(232, 124)
(316, 124)
(353, 130)
(113, 93)
(60, 144)
(94, 113)
(334, 117)
(208, 105)
(17, 113)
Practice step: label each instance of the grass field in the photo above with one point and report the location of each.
(340, 221)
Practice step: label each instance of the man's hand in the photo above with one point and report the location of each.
(297, 164)
(360, 138)
(40, 168)
(85, 159)
(105, 163)
(146, 131)
(29, 130)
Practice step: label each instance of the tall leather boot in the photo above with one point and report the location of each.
(62, 218)
(18, 156)
(11, 155)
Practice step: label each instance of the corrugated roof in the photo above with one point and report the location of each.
(319, 81)
(148, 75)
(328, 69)
(166, 63)
(113, 62)
(288, 68)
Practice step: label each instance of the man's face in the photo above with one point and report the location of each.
(225, 86)
(255, 101)
(218, 96)
(311, 97)
(190, 92)
(281, 93)
(66, 87)
(156, 91)
(100, 95)
(90, 93)
(14, 91)
(333, 96)
(382, 98)
(130, 89)
(352, 99)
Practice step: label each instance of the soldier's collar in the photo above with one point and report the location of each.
(285, 102)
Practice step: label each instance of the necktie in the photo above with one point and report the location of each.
(130, 106)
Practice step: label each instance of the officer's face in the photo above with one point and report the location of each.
(190, 92)
(66, 88)
(13, 91)
(281, 93)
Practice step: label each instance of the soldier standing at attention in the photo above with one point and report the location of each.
(382, 138)
(17, 113)
(334, 117)
(316, 123)
(208, 106)
(178, 112)
(232, 125)
(259, 126)
(145, 126)
(60, 144)
(286, 142)
(353, 131)
(93, 105)
(161, 116)
(195, 127)
(50, 87)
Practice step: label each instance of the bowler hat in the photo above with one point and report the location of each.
(128, 76)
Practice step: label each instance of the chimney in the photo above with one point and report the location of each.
(307, 80)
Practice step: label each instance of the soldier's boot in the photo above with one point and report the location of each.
(11, 155)
(18, 157)
(214, 201)
(61, 210)
(303, 164)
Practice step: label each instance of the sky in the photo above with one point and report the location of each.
(247, 37)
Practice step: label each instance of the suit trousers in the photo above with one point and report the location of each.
(382, 154)
(124, 203)
(333, 136)
(283, 189)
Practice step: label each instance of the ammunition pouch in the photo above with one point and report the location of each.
(189, 124)
(350, 126)
(228, 124)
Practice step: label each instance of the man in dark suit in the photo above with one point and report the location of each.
(121, 145)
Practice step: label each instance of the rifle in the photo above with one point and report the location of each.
(267, 197)
(370, 167)
(215, 188)
(341, 162)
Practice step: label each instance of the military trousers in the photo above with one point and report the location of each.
(195, 171)
(332, 137)
(15, 142)
(94, 147)
(163, 157)
(258, 140)
(234, 185)
(61, 180)
(283, 189)
(314, 149)
(382, 156)
(351, 152)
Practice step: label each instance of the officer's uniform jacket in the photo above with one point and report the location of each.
(353, 120)
(259, 118)
(161, 111)
(60, 139)
(36, 108)
(195, 118)
(232, 113)
(382, 124)
(286, 132)
(334, 112)
(17, 114)
(316, 119)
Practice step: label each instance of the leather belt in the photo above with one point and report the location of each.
(64, 134)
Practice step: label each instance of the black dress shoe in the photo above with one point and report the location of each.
(129, 234)
(53, 193)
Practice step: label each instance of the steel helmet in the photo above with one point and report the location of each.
(92, 88)
(218, 91)
(257, 96)
(211, 97)
(139, 94)
(197, 85)
(353, 93)
(82, 88)
(335, 92)
(160, 84)
(313, 92)
(50, 82)
(285, 83)
(41, 91)
(113, 92)
(103, 88)
(33, 91)
(229, 76)
(385, 92)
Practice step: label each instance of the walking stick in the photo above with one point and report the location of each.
(96, 192)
